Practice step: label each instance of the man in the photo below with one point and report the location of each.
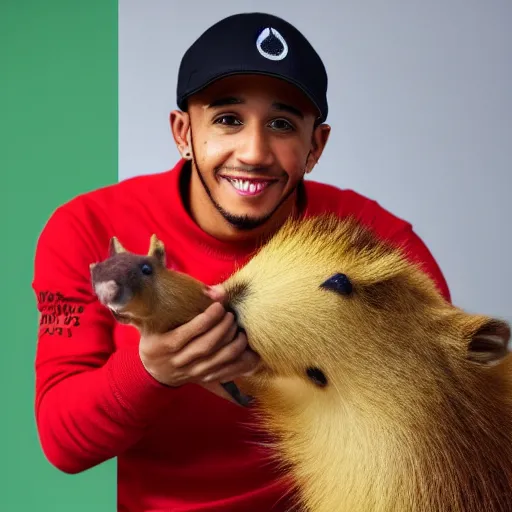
(250, 125)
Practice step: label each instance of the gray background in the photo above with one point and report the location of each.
(420, 105)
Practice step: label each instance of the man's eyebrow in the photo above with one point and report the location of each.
(234, 100)
(288, 108)
(227, 100)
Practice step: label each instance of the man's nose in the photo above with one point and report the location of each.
(255, 150)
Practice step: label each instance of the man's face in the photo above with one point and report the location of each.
(252, 139)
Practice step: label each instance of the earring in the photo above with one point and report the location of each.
(186, 154)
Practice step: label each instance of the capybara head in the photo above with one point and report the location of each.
(335, 310)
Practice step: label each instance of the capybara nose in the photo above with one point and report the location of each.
(107, 291)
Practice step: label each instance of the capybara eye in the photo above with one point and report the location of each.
(317, 376)
(146, 269)
(338, 283)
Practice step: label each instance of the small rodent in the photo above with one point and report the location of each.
(381, 395)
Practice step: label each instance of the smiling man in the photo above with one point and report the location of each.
(252, 138)
(250, 125)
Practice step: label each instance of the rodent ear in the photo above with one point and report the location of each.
(487, 338)
(157, 249)
(115, 247)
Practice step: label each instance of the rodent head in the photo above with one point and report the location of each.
(328, 306)
(140, 290)
(127, 283)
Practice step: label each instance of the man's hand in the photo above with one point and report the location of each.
(207, 350)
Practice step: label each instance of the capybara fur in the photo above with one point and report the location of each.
(380, 395)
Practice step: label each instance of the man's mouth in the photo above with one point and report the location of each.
(249, 187)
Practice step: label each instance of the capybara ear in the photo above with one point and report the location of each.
(115, 247)
(157, 249)
(487, 338)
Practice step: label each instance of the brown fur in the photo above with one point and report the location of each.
(156, 303)
(416, 415)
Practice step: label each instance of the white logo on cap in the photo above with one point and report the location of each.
(271, 44)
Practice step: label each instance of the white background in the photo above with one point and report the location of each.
(420, 100)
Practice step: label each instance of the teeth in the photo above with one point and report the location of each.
(247, 185)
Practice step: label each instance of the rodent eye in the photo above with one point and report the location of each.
(146, 269)
(338, 283)
(317, 376)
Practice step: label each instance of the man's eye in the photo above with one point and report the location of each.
(281, 125)
(227, 120)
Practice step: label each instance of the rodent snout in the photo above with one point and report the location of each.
(107, 291)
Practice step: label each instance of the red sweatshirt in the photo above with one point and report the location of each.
(180, 449)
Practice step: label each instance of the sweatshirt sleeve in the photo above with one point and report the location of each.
(92, 401)
(418, 252)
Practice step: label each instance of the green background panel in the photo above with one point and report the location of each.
(58, 121)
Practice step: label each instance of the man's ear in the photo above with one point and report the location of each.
(487, 339)
(180, 128)
(319, 140)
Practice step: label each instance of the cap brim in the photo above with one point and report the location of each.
(182, 102)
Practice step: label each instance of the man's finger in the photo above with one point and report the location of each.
(200, 366)
(246, 364)
(199, 325)
(203, 347)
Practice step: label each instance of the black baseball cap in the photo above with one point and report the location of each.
(253, 43)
